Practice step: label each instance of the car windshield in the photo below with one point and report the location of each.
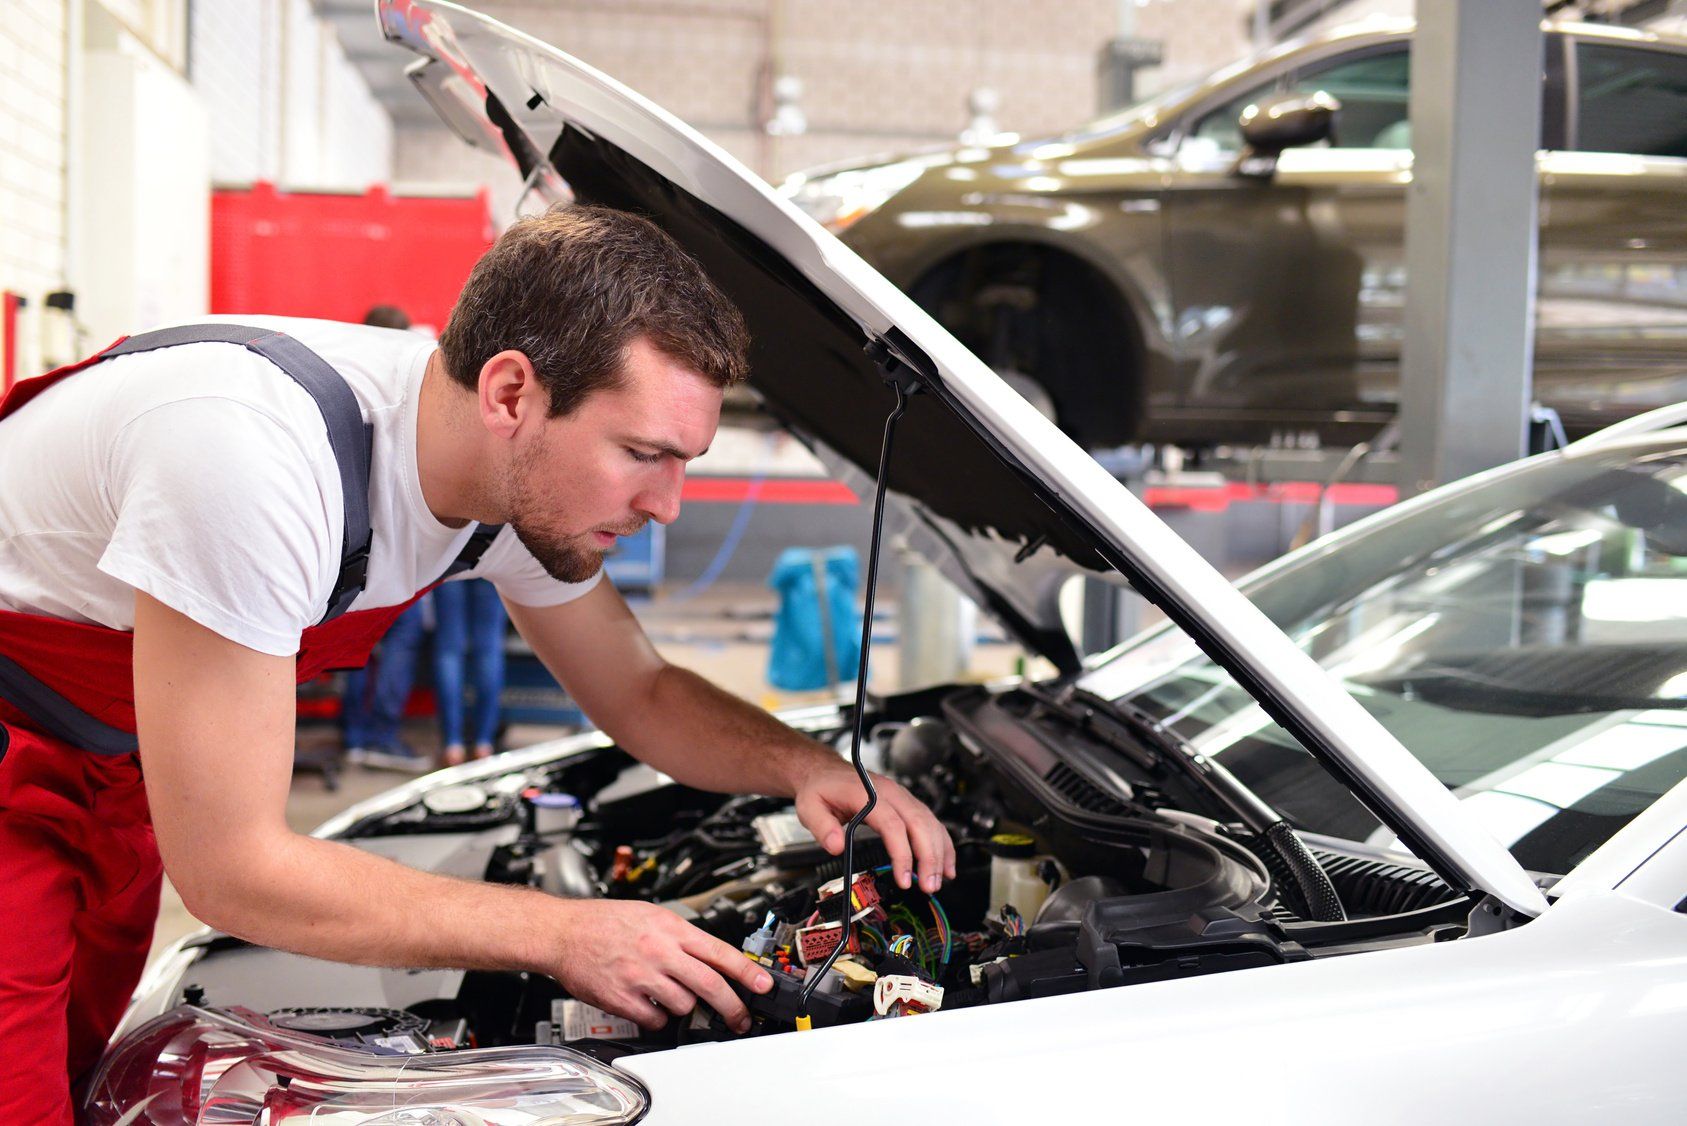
(1526, 639)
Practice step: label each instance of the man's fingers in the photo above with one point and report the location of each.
(930, 845)
(893, 830)
(817, 817)
(711, 951)
(639, 1010)
(711, 988)
(672, 996)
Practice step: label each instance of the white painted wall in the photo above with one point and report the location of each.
(357, 134)
(33, 157)
(143, 221)
(284, 103)
(105, 193)
(238, 76)
(1357, 11)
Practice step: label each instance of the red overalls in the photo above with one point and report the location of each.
(79, 869)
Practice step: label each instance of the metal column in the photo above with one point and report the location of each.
(1471, 236)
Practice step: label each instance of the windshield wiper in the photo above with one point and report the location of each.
(1129, 729)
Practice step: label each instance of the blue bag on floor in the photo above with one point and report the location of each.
(797, 660)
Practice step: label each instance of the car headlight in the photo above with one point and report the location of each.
(194, 1067)
(838, 199)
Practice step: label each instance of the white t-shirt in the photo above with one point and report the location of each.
(202, 475)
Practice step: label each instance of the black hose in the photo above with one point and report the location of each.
(814, 975)
(1317, 891)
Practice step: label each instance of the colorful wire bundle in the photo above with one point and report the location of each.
(944, 931)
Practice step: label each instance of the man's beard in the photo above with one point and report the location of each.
(567, 559)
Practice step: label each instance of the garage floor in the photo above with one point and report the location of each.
(723, 634)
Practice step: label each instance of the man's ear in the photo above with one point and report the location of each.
(510, 393)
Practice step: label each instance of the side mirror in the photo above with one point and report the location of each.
(1284, 122)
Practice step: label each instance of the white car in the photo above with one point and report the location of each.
(1396, 837)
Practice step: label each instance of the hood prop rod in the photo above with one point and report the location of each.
(905, 382)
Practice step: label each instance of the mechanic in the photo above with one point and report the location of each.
(180, 527)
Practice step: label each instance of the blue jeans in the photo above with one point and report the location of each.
(373, 704)
(468, 611)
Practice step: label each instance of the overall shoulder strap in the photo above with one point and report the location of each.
(476, 547)
(350, 438)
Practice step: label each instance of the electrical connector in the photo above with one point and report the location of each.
(815, 943)
(763, 942)
(905, 995)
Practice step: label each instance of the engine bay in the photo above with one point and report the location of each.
(1078, 868)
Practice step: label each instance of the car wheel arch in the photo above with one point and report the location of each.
(1061, 297)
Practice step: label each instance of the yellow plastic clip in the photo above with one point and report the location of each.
(804, 1023)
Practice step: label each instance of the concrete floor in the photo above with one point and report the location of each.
(723, 634)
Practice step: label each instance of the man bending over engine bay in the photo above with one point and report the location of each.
(206, 515)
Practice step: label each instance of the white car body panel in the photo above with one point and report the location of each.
(1578, 1016)
(505, 60)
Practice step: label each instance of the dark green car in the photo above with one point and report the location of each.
(1129, 276)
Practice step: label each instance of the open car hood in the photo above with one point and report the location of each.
(1000, 497)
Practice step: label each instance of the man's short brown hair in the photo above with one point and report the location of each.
(571, 288)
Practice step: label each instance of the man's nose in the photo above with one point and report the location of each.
(660, 501)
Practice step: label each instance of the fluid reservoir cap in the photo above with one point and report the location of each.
(553, 813)
(455, 799)
(1012, 846)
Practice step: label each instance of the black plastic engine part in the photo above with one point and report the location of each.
(641, 797)
(920, 747)
(1065, 906)
(351, 1026)
(783, 1002)
(1134, 939)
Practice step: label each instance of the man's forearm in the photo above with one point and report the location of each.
(708, 738)
(332, 901)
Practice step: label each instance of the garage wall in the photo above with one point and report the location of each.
(285, 104)
(33, 105)
(878, 76)
(142, 216)
(235, 69)
(427, 158)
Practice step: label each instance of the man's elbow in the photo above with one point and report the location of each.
(221, 888)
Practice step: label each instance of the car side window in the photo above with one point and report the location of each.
(1631, 100)
(1373, 90)
(1216, 130)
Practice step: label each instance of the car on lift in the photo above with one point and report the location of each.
(1224, 263)
(1397, 836)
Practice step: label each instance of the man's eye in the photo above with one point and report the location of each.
(639, 455)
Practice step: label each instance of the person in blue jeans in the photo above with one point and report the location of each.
(468, 613)
(372, 706)
(373, 703)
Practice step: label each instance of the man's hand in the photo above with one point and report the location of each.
(831, 793)
(684, 726)
(645, 963)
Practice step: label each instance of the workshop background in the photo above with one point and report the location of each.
(162, 159)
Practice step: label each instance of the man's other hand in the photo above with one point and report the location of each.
(830, 795)
(645, 963)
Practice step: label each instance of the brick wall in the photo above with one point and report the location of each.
(879, 76)
(285, 105)
(236, 71)
(1199, 36)
(33, 154)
